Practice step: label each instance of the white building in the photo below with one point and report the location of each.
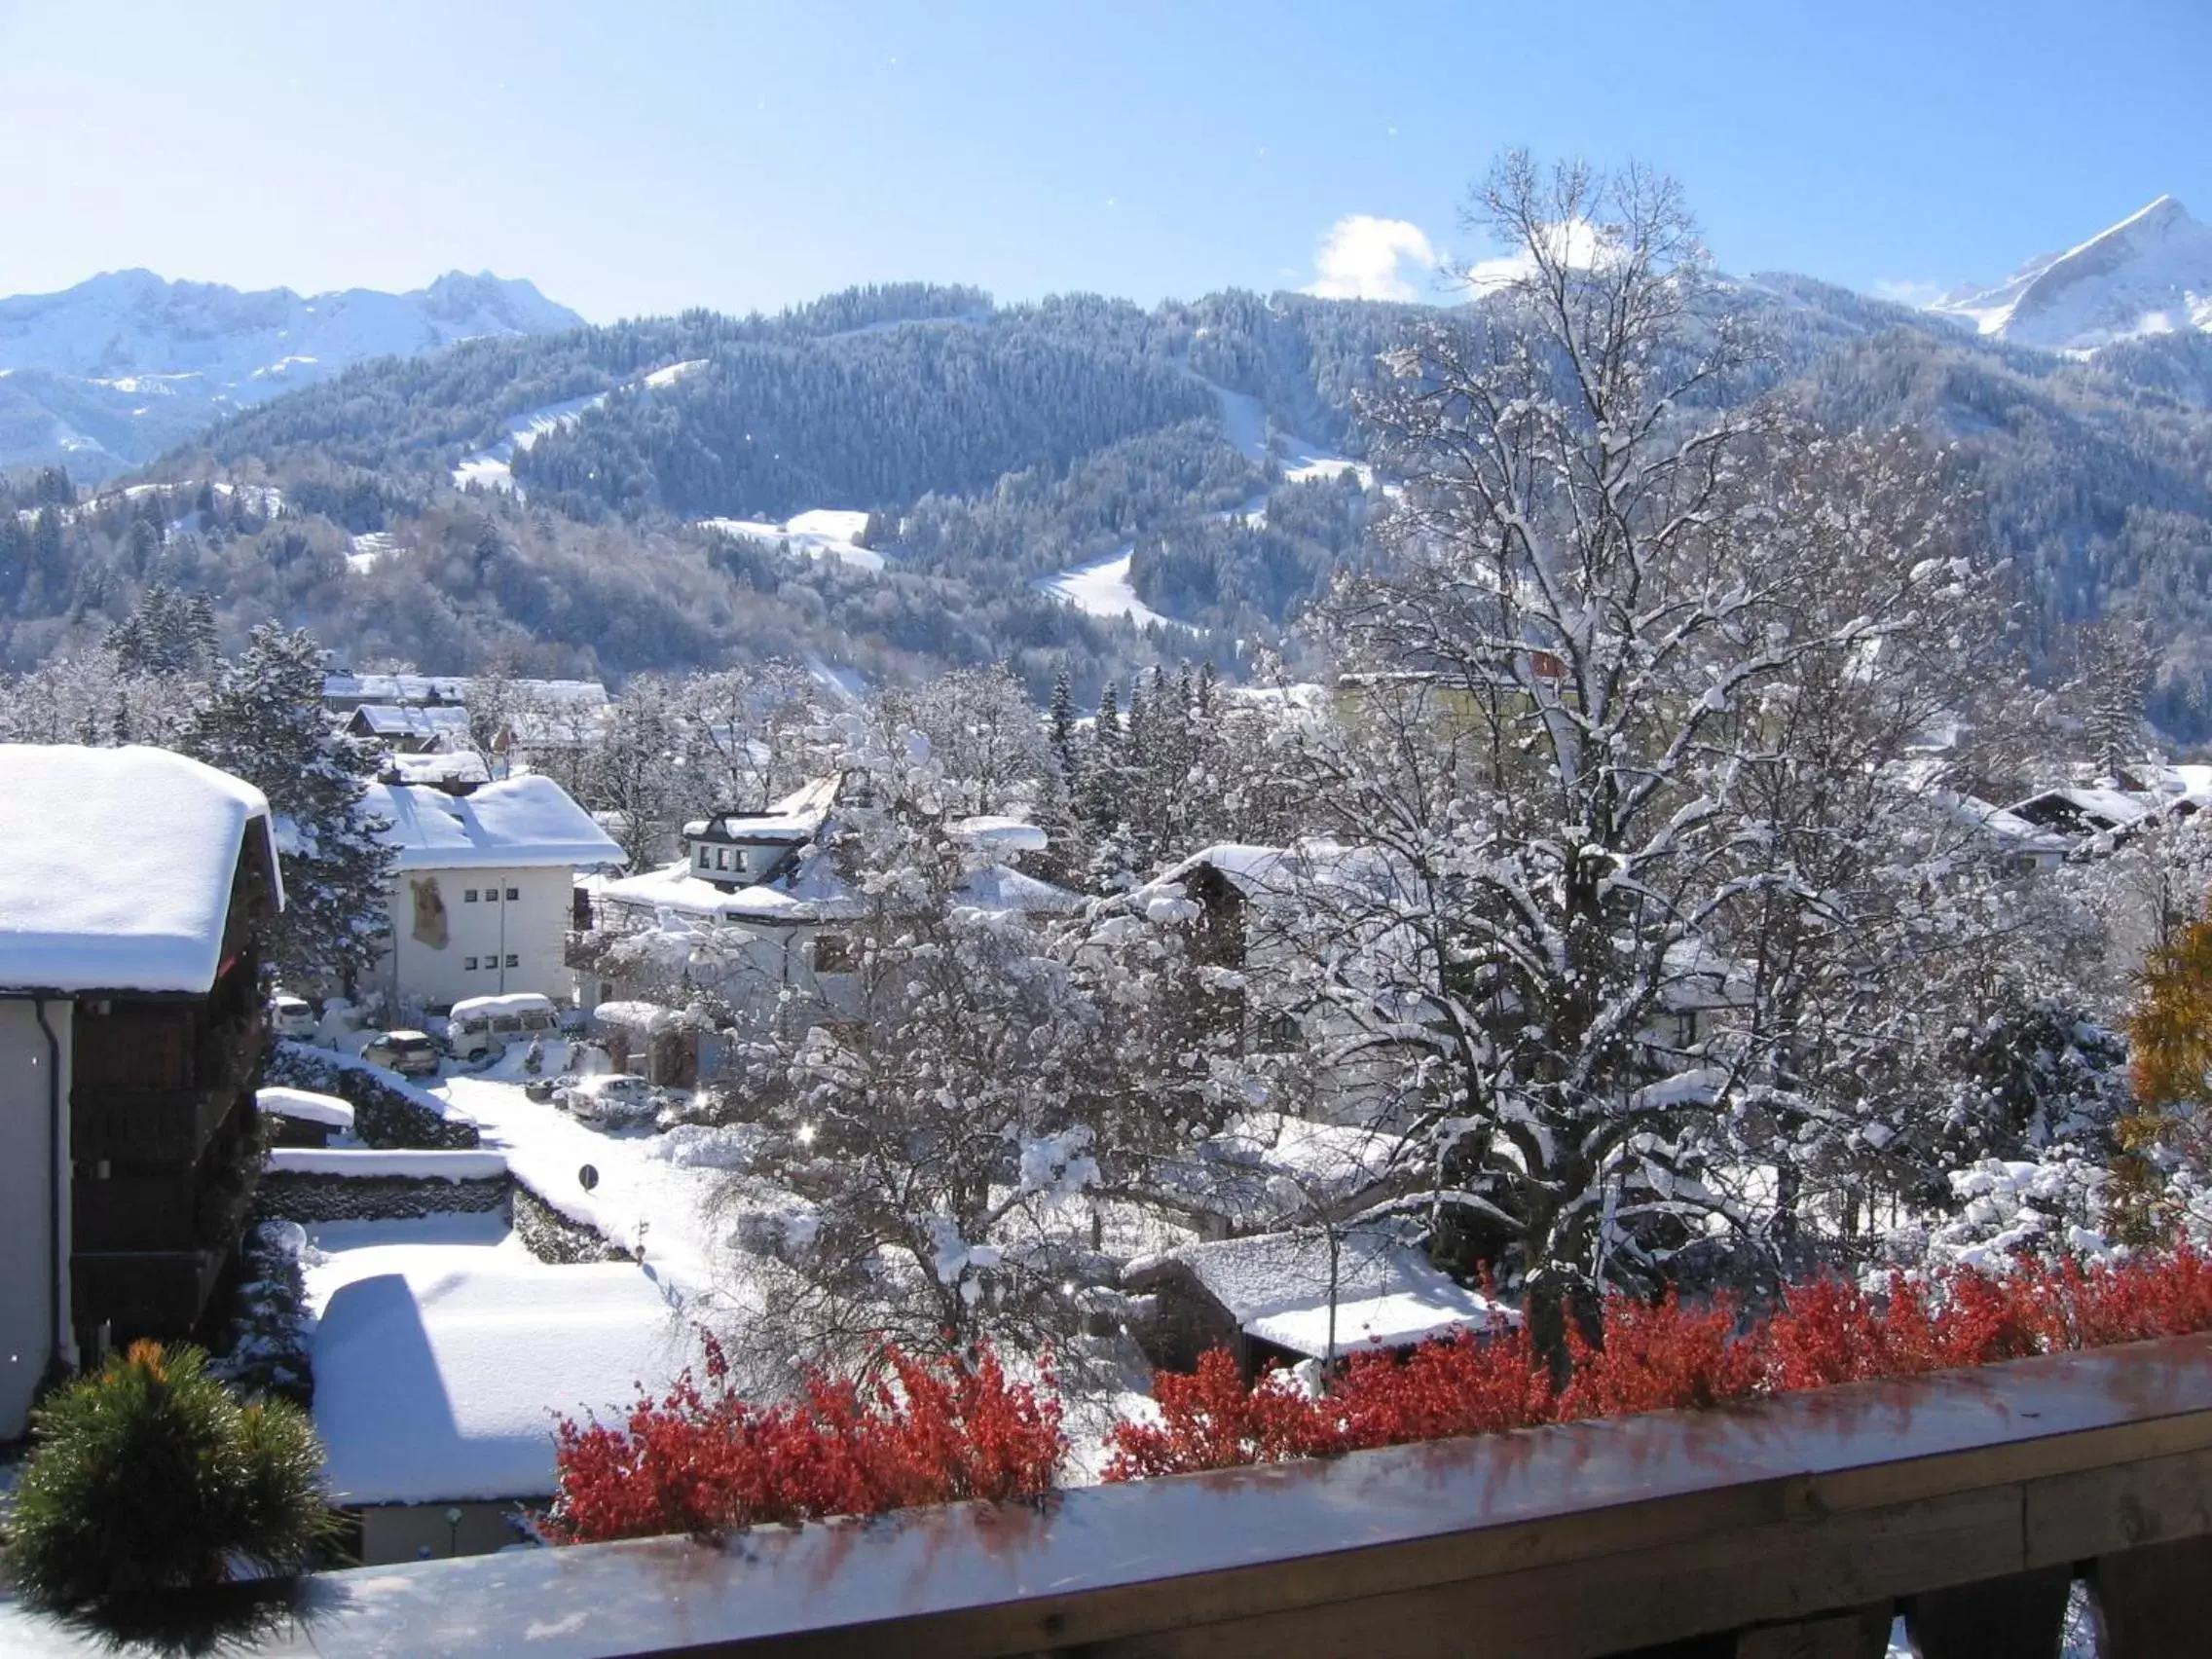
(481, 893)
(133, 886)
(752, 909)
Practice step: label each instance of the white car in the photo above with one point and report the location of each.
(290, 1015)
(612, 1098)
(485, 1025)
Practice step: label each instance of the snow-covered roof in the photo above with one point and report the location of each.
(512, 1001)
(306, 1105)
(409, 688)
(437, 767)
(997, 888)
(115, 866)
(420, 724)
(1277, 1287)
(446, 1391)
(646, 1017)
(517, 823)
(1000, 833)
(798, 817)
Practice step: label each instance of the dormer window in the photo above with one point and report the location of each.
(706, 858)
(722, 858)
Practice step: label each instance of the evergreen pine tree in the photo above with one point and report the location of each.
(264, 721)
(1062, 727)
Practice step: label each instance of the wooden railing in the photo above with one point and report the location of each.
(1967, 1502)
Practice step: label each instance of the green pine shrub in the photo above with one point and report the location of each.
(148, 1476)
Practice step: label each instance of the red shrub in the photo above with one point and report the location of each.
(1209, 1419)
(1827, 1331)
(1659, 1355)
(702, 1462)
(1440, 1390)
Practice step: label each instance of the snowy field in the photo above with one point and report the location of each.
(825, 532)
(1101, 588)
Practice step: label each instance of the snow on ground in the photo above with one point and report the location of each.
(643, 1198)
(1246, 425)
(493, 468)
(1101, 588)
(369, 548)
(443, 1351)
(825, 532)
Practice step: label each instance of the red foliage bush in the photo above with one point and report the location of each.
(1660, 1355)
(705, 1460)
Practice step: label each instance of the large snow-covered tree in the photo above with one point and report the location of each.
(262, 720)
(1619, 825)
(927, 1098)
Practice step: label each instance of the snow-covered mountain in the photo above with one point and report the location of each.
(109, 373)
(2150, 273)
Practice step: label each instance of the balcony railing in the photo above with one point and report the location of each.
(1966, 1501)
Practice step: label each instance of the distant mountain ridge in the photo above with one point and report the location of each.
(2149, 275)
(108, 374)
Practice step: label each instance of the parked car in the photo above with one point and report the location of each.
(411, 1053)
(478, 1026)
(612, 1100)
(290, 1015)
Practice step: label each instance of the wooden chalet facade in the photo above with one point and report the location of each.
(131, 1035)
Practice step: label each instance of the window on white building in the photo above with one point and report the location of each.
(468, 964)
(468, 896)
(832, 953)
(514, 961)
(513, 893)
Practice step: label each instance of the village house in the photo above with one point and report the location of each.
(481, 891)
(134, 887)
(1237, 907)
(752, 909)
(1307, 1293)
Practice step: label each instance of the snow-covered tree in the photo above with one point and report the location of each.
(2112, 688)
(262, 720)
(1636, 662)
(927, 1100)
(752, 734)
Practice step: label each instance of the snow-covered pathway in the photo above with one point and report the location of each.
(643, 1197)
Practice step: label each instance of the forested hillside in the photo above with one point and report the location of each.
(1038, 480)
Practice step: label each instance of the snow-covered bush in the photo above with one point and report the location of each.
(265, 1351)
(148, 1476)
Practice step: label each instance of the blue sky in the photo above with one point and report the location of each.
(644, 157)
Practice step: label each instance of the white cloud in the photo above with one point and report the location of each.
(1365, 258)
(1577, 243)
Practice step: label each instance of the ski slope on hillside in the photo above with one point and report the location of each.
(492, 468)
(1101, 588)
(825, 532)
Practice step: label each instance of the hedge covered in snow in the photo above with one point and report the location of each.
(388, 1111)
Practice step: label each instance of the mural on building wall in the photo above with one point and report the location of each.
(430, 913)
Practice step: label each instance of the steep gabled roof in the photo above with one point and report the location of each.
(117, 868)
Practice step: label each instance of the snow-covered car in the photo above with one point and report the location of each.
(291, 1016)
(410, 1053)
(615, 1099)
